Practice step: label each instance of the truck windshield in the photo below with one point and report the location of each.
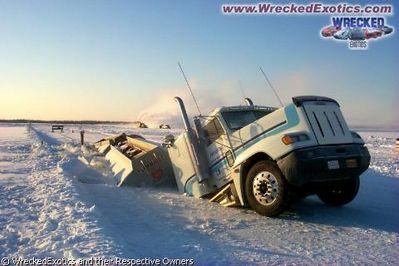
(239, 119)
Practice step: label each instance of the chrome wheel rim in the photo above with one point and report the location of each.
(265, 188)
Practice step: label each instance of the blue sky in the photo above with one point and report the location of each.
(114, 59)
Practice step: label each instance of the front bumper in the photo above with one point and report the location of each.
(311, 165)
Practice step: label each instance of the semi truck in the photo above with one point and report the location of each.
(256, 156)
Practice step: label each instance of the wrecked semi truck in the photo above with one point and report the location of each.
(256, 156)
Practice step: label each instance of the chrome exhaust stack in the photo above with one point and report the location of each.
(249, 102)
(184, 115)
(198, 156)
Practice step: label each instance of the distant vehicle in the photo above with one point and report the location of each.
(164, 126)
(356, 34)
(139, 124)
(387, 30)
(373, 33)
(142, 125)
(329, 31)
(57, 127)
(342, 34)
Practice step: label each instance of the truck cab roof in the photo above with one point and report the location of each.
(236, 117)
(241, 108)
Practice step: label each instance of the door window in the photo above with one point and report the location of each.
(213, 130)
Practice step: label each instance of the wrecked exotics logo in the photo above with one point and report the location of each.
(357, 31)
(356, 24)
(359, 28)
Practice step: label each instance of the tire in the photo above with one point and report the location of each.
(266, 189)
(340, 193)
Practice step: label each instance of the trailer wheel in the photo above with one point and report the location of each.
(340, 193)
(266, 189)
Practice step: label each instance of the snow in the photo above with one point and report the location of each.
(59, 200)
(382, 146)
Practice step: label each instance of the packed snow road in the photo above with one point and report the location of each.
(53, 204)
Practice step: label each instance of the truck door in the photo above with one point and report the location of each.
(217, 147)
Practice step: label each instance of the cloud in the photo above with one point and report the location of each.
(164, 110)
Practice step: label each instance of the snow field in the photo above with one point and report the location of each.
(59, 200)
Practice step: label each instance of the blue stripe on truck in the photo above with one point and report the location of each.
(292, 121)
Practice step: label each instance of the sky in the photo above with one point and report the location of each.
(117, 60)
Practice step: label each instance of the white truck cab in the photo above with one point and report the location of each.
(264, 157)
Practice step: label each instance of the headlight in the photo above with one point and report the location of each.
(295, 137)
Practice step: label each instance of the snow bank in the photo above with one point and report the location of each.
(41, 212)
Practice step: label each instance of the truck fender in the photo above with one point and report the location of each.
(239, 183)
(240, 171)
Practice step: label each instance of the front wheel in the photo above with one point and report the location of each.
(266, 189)
(341, 192)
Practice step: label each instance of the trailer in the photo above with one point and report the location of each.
(136, 161)
(257, 156)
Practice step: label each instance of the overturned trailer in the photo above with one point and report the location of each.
(251, 155)
(136, 161)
